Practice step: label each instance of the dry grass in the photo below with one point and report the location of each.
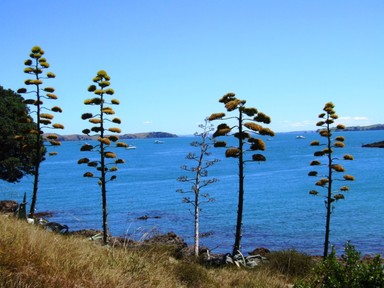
(32, 257)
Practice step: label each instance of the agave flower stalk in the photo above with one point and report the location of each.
(199, 180)
(245, 130)
(327, 180)
(36, 65)
(107, 159)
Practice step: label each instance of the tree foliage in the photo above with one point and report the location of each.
(245, 130)
(35, 66)
(198, 178)
(347, 271)
(16, 157)
(107, 161)
(330, 168)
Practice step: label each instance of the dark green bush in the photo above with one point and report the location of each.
(348, 271)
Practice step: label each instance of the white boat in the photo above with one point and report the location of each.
(300, 137)
(159, 142)
(130, 147)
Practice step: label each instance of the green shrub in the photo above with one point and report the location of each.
(348, 271)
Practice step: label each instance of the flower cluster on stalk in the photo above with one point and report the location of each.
(330, 144)
(248, 118)
(100, 128)
(36, 65)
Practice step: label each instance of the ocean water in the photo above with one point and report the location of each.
(278, 212)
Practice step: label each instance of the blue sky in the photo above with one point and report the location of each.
(170, 61)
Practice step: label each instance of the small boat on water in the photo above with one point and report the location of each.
(300, 137)
(130, 147)
(159, 142)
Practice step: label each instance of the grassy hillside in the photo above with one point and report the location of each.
(33, 257)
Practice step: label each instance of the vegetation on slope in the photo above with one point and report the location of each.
(33, 257)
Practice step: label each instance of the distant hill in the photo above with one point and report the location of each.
(365, 128)
(361, 128)
(368, 128)
(148, 135)
(144, 135)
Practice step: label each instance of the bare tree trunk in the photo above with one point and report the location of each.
(239, 223)
(38, 153)
(103, 176)
(197, 225)
(329, 196)
(105, 215)
(35, 184)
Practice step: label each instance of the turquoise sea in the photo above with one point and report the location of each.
(278, 214)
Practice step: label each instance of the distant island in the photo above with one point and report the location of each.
(144, 135)
(358, 128)
(375, 145)
(365, 128)
(368, 128)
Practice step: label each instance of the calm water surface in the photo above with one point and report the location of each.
(278, 214)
